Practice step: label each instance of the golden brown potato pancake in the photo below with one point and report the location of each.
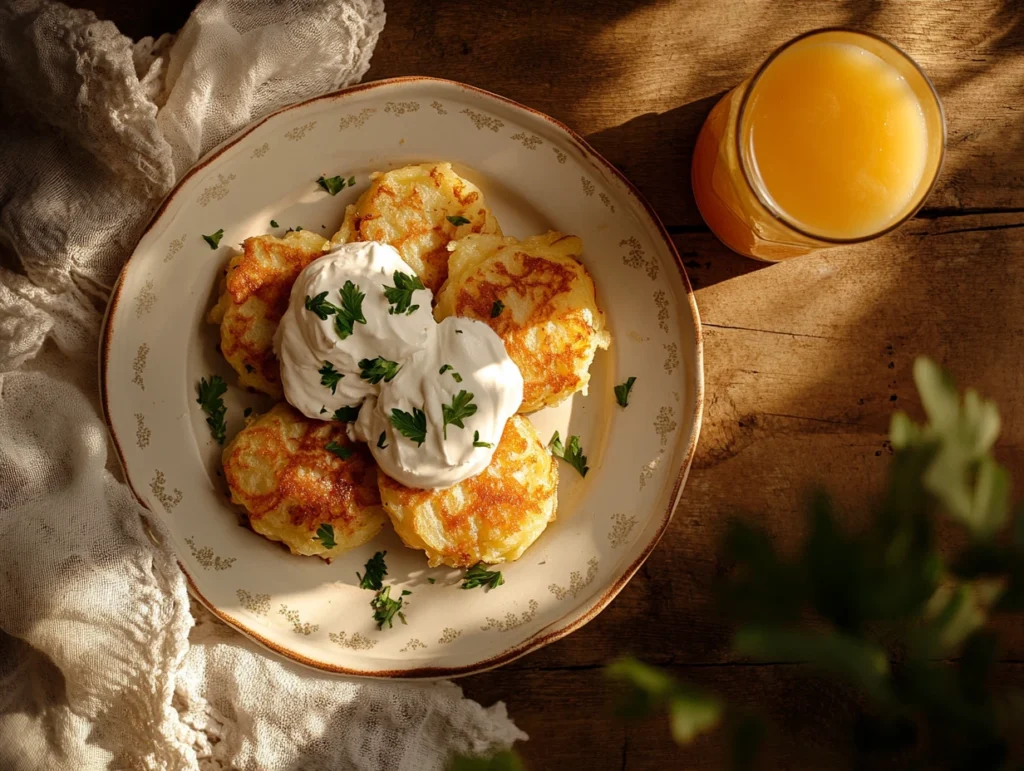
(279, 470)
(409, 208)
(548, 315)
(491, 517)
(254, 297)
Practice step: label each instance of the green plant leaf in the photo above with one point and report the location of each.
(856, 660)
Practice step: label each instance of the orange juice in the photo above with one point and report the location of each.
(837, 138)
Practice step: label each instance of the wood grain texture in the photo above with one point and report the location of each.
(805, 361)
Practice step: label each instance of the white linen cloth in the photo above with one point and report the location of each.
(102, 662)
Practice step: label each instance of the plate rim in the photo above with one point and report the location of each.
(576, 618)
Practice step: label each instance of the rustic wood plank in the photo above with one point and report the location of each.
(637, 79)
(567, 715)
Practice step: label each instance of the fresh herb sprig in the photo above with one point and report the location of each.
(385, 608)
(325, 535)
(332, 185)
(622, 392)
(378, 369)
(340, 450)
(478, 443)
(462, 407)
(347, 315)
(457, 219)
(214, 238)
(479, 575)
(400, 295)
(210, 393)
(374, 572)
(347, 414)
(571, 453)
(412, 426)
(330, 377)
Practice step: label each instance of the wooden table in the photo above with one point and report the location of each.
(805, 361)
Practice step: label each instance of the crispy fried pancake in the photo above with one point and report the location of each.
(550, 323)
(254, 298)
(492, 517)
(409, 209)
(279, 470)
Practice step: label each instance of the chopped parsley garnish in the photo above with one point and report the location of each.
(323, 409)
(413, 426)
(347, 414)
(214, 240)
(332, 185)
(400, 295)
(497, 308)
(329, 377)
(347, 316)
(378, 369)
(478, 575)
(294, 230)
(338, 449)
(432, 580)
(622, 392)
(325, 535)
(382, 440)
(210, 393)
(571, 453)
(478, 443)
(247, 412)
(351, 181)
(385, 609)
(351, 311)
(461, 407)
(375, 569)
(450, 368)
(457, 220)
(273, 224)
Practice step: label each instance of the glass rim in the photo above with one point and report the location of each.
(749, 175)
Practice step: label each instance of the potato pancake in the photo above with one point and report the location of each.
(540, 300)
(418, 210)
(491, 517)
(254, 297)
(291, 485)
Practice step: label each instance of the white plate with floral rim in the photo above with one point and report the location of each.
(536, 175)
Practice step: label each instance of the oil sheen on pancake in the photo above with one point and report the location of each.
(541, 301)
(418, 210)
(254, 297)
(491, 517)
(279, 470)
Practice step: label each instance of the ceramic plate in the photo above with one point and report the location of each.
(536, 175)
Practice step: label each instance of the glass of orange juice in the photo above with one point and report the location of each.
(837, 138)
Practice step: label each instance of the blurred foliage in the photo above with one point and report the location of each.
(882, 609)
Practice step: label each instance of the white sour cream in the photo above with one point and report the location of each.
(467, 350)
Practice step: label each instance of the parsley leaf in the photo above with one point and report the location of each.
(457, 220)
(320, 306)
(497, 308)
(332, 185)
(478, 575)
(347, 414)
(461, 407)
(273, 224)
(375, 572)
(323, 409)
(351, 311)
(378, 369)
(351, 181)
(247, 412)
(622, 392)
(210, 393)
(449, 367)
(337, 449)
(325, 535)
(400, 295)
(330, 377)
(571, 453)
(385, 609)
(432, 580)
(214, 240)
(444, 369)
(478, 443)
(381, 440)
(294, 230)
(413, 426)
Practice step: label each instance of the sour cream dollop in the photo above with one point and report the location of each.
(429, 366)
